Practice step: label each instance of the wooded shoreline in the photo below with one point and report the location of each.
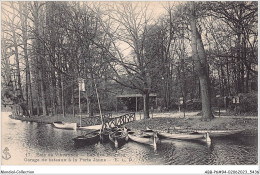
(249, 125)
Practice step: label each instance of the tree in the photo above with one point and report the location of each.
(40, 55)
(137, 70)
(23, 12)
(199, 57)
(14, 84)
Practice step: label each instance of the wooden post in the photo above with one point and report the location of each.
(116, 104)
(136, 104)
(156, 103)
(152, 111)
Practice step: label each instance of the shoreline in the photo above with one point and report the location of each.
(248, 125)
(46, 119)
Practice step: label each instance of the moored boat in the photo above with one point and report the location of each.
(144, 138)
(105, 135)
(88, 139)
(217, 133)
(63, 125)
(118, 137)
(148, 131)
(96, 127)
(182, 135)
(185, 136)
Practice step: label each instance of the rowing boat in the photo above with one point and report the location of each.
(63, 125)
(221, 133)
(148, 131)
(216, 133)
(95, 127)
(183, 135)
(105, 135)
(143, 138)
(88, 139)
(118, 137)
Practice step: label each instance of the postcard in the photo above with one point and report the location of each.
(130, 84)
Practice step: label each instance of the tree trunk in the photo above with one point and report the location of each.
(30, 94)
(7, 73)
(224, 81)
(242, 77)
(39, 60)
(198, 54)
(23, 17)
(91, 111)
(21, 102)
(247, 80)
(220, 82)
(90, 106)
(59, 94)
(17, 64)
(62, 96)
(193, 83)
(38, 99)
(228, 79)
(183, 83)
(73, 100)
(43, 97)
(53, 92)
(146, 105)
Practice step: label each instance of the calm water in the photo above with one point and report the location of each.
(30, 142)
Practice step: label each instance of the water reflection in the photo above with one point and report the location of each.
(233, 150)
(45, 139)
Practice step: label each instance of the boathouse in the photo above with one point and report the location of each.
(134, 102)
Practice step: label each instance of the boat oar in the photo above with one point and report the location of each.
(116, 143)
(125, 130)
(154, 141)
(208, 140)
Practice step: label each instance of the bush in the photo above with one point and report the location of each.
(193, 105)
(247, 104)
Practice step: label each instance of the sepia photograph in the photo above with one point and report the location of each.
(130, 83)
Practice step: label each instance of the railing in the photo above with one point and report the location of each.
(89, 121)
(108, 120)
(117, 121)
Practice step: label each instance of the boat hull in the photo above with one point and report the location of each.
(87, 139)
(144, 139)
(105, 135)
(183, 136)
(118, 138)
(218, 133)
(95, 127)
(72, 126)
(148, 132)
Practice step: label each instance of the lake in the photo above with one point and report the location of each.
(31, 143)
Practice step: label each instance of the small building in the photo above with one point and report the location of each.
(134, 102)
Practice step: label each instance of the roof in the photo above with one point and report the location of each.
(134, 95)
